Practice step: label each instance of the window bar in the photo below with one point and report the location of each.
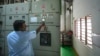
(80, 29)
(85, 30)
(89, 31)
(75, 27)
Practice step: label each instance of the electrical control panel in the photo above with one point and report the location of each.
(3, 21)
(2, 9)
(18, 8)
(50, 18)
(11, 18)
(45, 6)
(45, 39)
(34, 12)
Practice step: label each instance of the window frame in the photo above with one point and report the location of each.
(83, 27)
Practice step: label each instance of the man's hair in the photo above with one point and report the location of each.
(18, 24)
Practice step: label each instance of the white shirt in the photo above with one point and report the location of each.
(19, 43)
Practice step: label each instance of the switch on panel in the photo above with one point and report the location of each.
(0, 26)
(45, 39)
(1, 29)
(0, 23)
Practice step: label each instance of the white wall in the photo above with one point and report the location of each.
(65, 20)
(83, 8)
(62, 22)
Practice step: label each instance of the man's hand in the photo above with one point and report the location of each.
(39, 28)
(43, 24)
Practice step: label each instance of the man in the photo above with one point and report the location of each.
(19, 40)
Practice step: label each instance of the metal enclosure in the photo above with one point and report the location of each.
(2, 29)
(46, 5)
(33, 12)
(11, 18)
(2, 34)
(18, 8)
(2, 9)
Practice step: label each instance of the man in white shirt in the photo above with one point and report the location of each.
(19, 40)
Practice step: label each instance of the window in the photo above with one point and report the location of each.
(77, 28)
(83, 30)
(89, 31)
